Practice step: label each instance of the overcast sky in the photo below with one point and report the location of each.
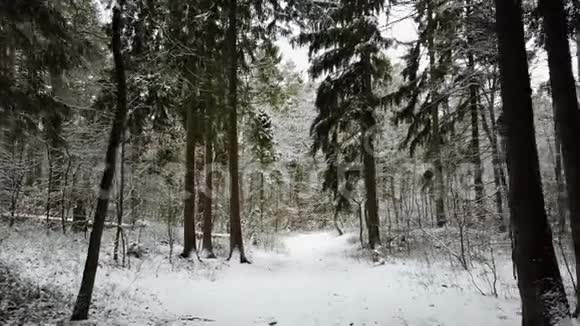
(401, 30)
(405, 30)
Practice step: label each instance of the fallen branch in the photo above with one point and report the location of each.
(194, 318)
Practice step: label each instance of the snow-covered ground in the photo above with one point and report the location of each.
(310, 279)
(317, 282)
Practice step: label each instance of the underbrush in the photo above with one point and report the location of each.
(450, 257)
(26, 303)
(49, 259)
(46, 258)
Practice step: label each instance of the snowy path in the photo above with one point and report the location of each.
(315, 283)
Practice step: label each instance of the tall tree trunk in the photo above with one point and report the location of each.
(63, 193)
(439, 185)
(55, 142)
(473, 109)
(369, 164)
(577, 41)
(371, 194)
(121, 200)
(81, 308)
(189, 187)
(134, 154)
(544, 300)
(360, 223)
(499, 145)
(567, 115)
(207, 246)
(49, 186)
(475, 155)
(498, 173)
(262, 200)
(236, 241)
(561, 197)
(394, 200)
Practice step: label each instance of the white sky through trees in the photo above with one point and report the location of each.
(402, 29)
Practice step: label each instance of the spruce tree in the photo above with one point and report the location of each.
(34, 68)
(345, 46)
(455, 42)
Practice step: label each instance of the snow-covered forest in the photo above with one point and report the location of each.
(166, 162)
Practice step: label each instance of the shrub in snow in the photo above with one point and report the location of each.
(136, 250)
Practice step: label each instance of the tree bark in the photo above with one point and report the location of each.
(567, 115)
(371, 194)
(81, 308)
(121, 201)
(134, 154)
(543, 297)
(577, 40)
(360, 224)
(262, 200)
(394, 200)
(55, 142)
(561, 197)
(498, 173)
(475, 155)
(369, 164)
(189, 187)
(63, 194)
(207, 245)
(236, 241)
(500, 147)
(473, 109)
(439, 185)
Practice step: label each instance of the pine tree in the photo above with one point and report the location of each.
(455, 41)
(51, 46)
(346, 46)
(439, 27)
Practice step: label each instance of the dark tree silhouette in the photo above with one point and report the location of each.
(81, 308)
(207, 245)
(566, 113)
(236, 241)
(543, 297)
(189, 185)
